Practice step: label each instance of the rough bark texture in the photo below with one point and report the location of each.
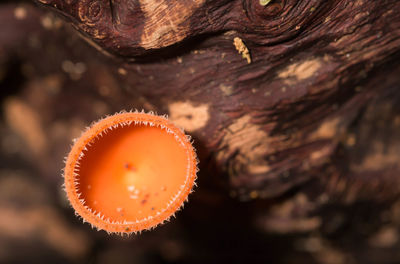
(267, 124)
(309, 130)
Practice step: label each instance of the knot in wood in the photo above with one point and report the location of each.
(257, 11)
(90, 11)
(274, 8)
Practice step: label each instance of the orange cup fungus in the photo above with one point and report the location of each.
(130, 172)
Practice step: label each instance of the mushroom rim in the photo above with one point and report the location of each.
(120, 120)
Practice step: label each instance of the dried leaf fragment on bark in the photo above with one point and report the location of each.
(242, 49)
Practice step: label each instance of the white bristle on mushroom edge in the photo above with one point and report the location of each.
(175, 202)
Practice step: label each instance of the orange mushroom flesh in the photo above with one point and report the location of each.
(130, 172)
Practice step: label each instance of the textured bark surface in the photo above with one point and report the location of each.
(309, 130)
(267, 124)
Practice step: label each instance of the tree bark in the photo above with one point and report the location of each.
(267, 125)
